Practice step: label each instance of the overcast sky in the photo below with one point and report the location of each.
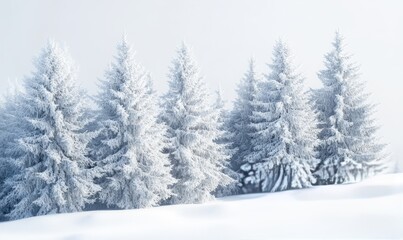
(224, 35)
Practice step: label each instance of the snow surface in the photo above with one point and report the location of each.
(370, 209)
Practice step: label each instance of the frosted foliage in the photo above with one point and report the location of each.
(349, 149)
(10, 130)
(284, 131)
(197, 159)
(240, 117)
(224, 141)
(128, 149)
(52, 176)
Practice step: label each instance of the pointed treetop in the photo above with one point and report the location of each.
(281, 50)
(53, 58)
(50, 43)
(185, 50)
(220, 102)
(184, 65)
(51, 48)
(338, 41)
(251, 70)
(184, 46)
(219, 91)
(124, 39)
(282, 60)
(124, 45)
(125, 57)
(338, 63)
(252, 64)
(124, 35)
(281, 47)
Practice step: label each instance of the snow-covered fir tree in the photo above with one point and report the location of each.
(224, 140)
(52, 165)
(284, 131)
(10, 130)
(240, 117)
(128, 148)
(8, 120)
(349, 149)
(198, 161)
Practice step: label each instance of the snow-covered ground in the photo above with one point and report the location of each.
(371, 209)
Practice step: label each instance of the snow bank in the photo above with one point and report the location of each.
(373, 208)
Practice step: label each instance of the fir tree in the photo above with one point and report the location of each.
(8, 121)
(198, 161)
(349, 150)
(284, 131)
(128, 148)
(224, 140)
(10, 130)
(52, 165)
(240, 117)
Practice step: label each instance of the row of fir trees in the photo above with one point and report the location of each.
(57, 154)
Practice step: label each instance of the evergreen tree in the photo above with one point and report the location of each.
(8, 120)
(224, 141)
(240, 117)
(348, 150)
(284, 131)
(198, 161)
(128, 148)
(52, 165)
(10, 126)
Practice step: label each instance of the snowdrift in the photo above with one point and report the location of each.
(370, 209)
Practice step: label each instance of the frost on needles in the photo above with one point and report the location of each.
(283, 133)
(10, 130)
(198, 161)
(240, 117)
(224, 141)
(349, 149)
(57, 156)
(135, 173)
(52, 174)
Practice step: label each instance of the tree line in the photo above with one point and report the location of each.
(134, 151)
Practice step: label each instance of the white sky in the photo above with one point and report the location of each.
(224, 35)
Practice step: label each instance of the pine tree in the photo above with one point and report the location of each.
(10, 126)
(240, 117)
(349, 149)
(128, 148)
(52, 165)
(8, 121)
(284, 131)
(224, 141)
(197, 159)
